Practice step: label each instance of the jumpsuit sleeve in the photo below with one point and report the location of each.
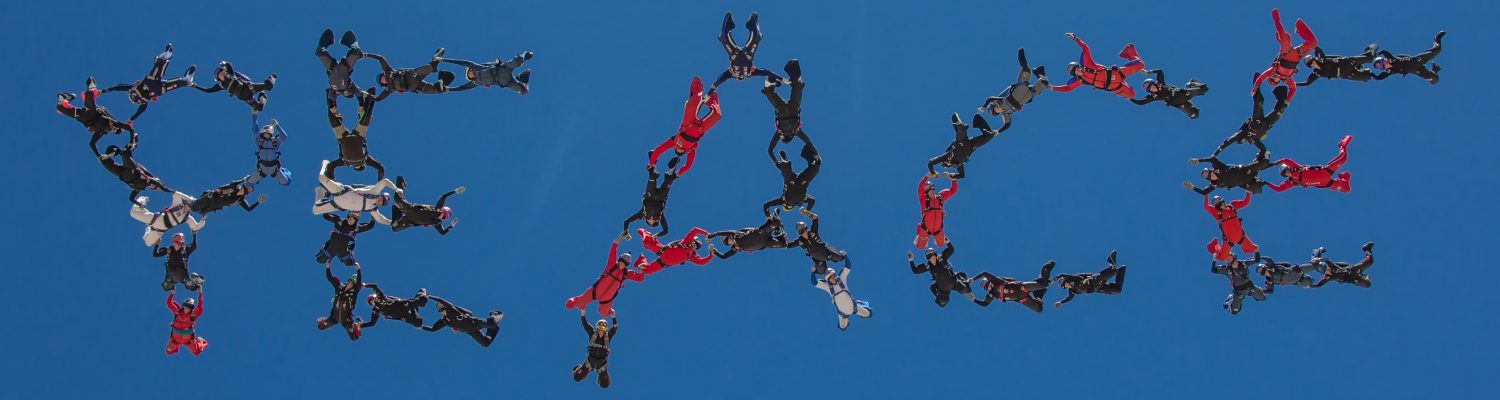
(1087, 57)
(697, 231)
(365, 227)
(917, 269)
(374, 318)
(171, 305)
(1145, 100)
(613, 247)
(649, 241)
(714, 113)
(948, 193)
(1065, 300)
(948, 251)
(440, 324)
(1287, 162)
(635, 276)
(1068, 86)
(1209, 207)
(158, 251)
(814, 226)
(330, 218)
(198, 310)
(589, 329)
(921, 189)
(614, 326)
(188, 250)
(701, 259)
(333, 280)
(844, 276)
(1241, 203)
(374, 288)
(1281, 187)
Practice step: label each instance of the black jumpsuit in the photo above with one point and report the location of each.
(820, 252)
(239, 86)
(1094, 283)
(177, 265)
(1246, 176)
(788, 112)
(396, 308)
(223, 196)
(405, 214)
(353, 149)
(767, 236)
(1404, 64)
(340, 242)
(133, 175)
(340, 72)
(944, 280)
(794, 185)
(96, 119)
(741, 59)
(1175, 97)
(654, 200)
(483, 330)
(1255, 128)
(1341, 67)
(342, 312)
(958, 152)
(1029, 293)
(410, 80)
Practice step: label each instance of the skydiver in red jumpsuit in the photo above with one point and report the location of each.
(183, 319)
(1227, 214)
(692, 128)
(932, 211)
(1109, 79)
(1320, 176)
(1285, 65)
(608, 286)
(674, 253)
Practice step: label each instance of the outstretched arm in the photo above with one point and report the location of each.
(1241, 203)
(384, 66)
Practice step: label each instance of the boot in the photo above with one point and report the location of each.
(325, 40)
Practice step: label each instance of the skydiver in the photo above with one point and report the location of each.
(1077, 284)
(815, 248)
(844, 304)
(495, 73)
(958, 152)
(134, 176)
(674, 253)
(1286, 274)
(239, 86)
(1172, 96)
(616, 271)
(353, 149)
(177, 263)
(344, 294)
(1017, 95)
(411, 80)
(1339, 67)
(1403, 64)
(95, 118)
(392, 307)
(184, 318)
(340, 243)
(1230, 228)
(1342, 272)
(228, 194)
(152, 87)
(692, 129)
(1109, 79)
(932, 202)
(794, 184)
(1255, 128)
(741, 58)
(653, 201)
(1238, 272)
(1027, 293)
(1321, 176)
(405, 214)
(944, 279)
(600, 334)
(1285, 64)
(1226, 176)
(768, 235)
(340, 72)
(788, 112)
(459, 319)
(268, 140)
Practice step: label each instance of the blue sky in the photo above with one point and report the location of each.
(551, 174)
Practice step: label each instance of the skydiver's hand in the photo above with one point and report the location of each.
(951, 176)
(624, 235)
(1188, 185)
(274, 122)
(1056, 305)
(1193, 161)
(260, 199)
(459, 190)
(909, 257)
(1070, 36)
(583, 312)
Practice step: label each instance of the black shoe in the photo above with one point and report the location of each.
(957, 120)
(1280, 92)
(446, 77)
(1371, 245)
(270, 82)
(1047, 269)
(1112, 254)
(526, 55)
(728, 22)
(401, 182)
(1436, 68)
(981, 123)
(753, 24)
(783, 155)
(524, 77)
(325, 40)
(349, 40)
(169, 48)
(793, 70)
(1438, 40)
(1039, 71)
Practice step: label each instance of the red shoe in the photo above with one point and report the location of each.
(1345, 141)
(1128, 53)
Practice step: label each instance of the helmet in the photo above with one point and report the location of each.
(370, 299)
(1148, 83)
(1205, 173)
(1380, 64)
(624, 258)
(1308, 60)
(444, 213)
(601, 325)
(931, 252)
(189, 303)
(1218, 200)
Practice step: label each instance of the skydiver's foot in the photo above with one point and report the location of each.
(526, 55)
(401, 182)
(579, 373)
(1368, 246)
(188, 75)
(956, 119)
(1129, 53)
(325, 40)
(782, 154)
(349, 40)
(168, 49)
(1318, 252)
(524, 77)
(753, 24)
(1112, 254)
(1436, 68)
(1345, 141)
(64, 97)
(1280, 92)
(437, 55)
(793, 70)
(981, 123)
(1438, 40)
(496, 316)
(90, 83)
(1040, 71)
(1047, 268)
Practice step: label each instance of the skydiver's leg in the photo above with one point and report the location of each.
(326, 322)
(661, 148)
(922, 235)
(939, 296)
(1233, 302)
(379, 168)
(159, 65)
(1257, 294)
(1032, 304)
(723, 77)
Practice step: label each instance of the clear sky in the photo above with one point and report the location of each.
(550, 176)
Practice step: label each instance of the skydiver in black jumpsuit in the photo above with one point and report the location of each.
(653, 201)
(177, 263)
(1028, 293)
(958, 152)
(152, 87)
(1238, 272)
(1255, 128)
(340, 242)
(354, 151)
(135, 176)
(1092, 283)
(96, 119)
(239, 86)
(229, 194)
(1342, 272)
(1017, 95)
(741, 59)
(794, 185)
(1225, 176)
(1286, 274)
(392, 307)
(944, 279)
(410, 80)
(459, 319)
(406, 214)
(788, 112)
(1351, 68)
(768, 235)
(344, 294)
(340, 72)
(598, 353)
(816, 249)
(1175, 97)
(1404, 64)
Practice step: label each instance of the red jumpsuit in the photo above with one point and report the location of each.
(692, 128)
(608, 286)
(1285, 65)
(1229, 225)
(182, 327)
(1317, 175)
(1109, 79)
(670, 254)
(932, 214)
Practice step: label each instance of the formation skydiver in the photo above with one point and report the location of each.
(331, 195)
(353, 150)
(344, 295)
(151, 87)
(653, 201)
(692, 129)
(1285, 64)
(405, 214)
(1238, 272)
(932, 201)
(268, 140)
(1286, 274)
(1388, 63)
(958, 152)
(1109, 79)
(816, 249)
(239, 86)
(1026, 293)
(392, 307)
(341, 71)
(462, 320)
(1255, 128)
(134, 176)
(495, 73)
(600, 334)
(616, 271)
(1230, 228)
(184, 320)
(177, 263)
(95, 118)
(1226, 176)
(944, 279)
(1017, 95)
(158, 223)
(1172, 96)
(411, 80)
(1342, 272)
(340, 243)
(674, 253)
(1077, 284)
(794, 184)
(1339, 67)
(768, 235)
(844, 304)
(226, 195)
(1321, 176)
(788, 112)
(741, 58)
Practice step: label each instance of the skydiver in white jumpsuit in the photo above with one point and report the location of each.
(837, 287)
(158, 223)
(331, 196)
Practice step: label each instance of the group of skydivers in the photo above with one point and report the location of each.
(122, 164)
(1113, 79)
(331, 195)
